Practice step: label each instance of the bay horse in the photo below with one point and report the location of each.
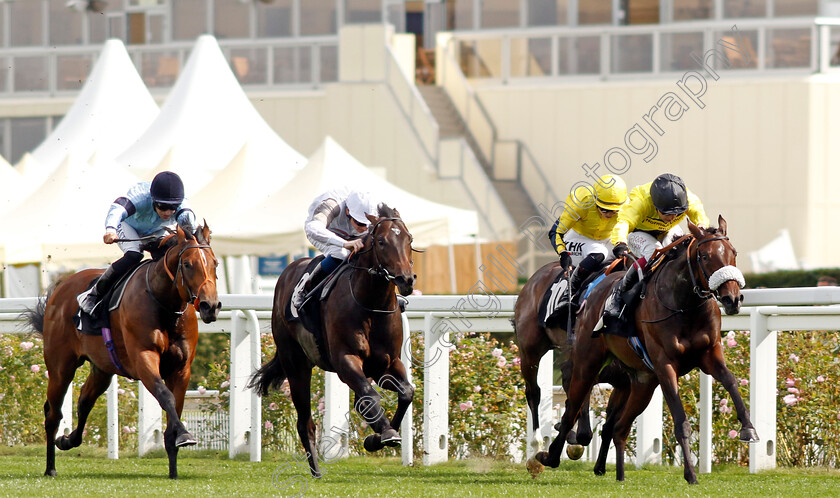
(154, 333)
(678, 324)
(535, 340)
(362, 334)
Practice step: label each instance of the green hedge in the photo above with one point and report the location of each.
(789, 278)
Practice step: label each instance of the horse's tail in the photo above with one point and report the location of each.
(35, 316)
(268, 376)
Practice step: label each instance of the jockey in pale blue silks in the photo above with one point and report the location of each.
(146, 211)
(337, 220)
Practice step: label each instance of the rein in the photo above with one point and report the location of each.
(378, 270)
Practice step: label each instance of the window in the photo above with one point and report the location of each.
(26, 135)
(548, 12)
(499, 13)
(459, 14)
(362, 11)
(595, 12)
(329, 63)
(231, 19)
(27, 28)
(318, 17)
(744, 8)
(65, 24)
(189, 19)
(783, 8)
(31, 74)
(688, 10)
(274, 20)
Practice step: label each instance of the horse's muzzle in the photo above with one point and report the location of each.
(405, 284)
(732, 304)
(209, 312)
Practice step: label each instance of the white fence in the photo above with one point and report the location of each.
(765, 311)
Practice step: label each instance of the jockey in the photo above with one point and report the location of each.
(146, 210)
(337, 219)
(581, 234)
(647, 222)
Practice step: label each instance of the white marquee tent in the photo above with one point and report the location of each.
(112, 110)
(275, 225)
(63, 220)
(206, 120)
(11, 186)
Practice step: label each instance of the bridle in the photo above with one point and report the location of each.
(378, 270)
(193, 296)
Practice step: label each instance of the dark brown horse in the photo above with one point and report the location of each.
(534, 341)
(154, 332)
(362, 334)
(678, 323)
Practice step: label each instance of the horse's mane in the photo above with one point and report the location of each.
(678, 249)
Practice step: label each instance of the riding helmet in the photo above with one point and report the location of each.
(360, 204)
(167, 188)
(668, 194)
(613, 195)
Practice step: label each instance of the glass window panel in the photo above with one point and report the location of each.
(744, 8)
(362, 11)
(189, 19)
(65, 24)
(481, 58)
(292, 65)
(97, 28)
(595, 12)
(459, 14)
(4, 73)
(740, 50)
(117, 28)
(329, 63)
(156, 24)
(159, 69)
(499, 13)
(834, 46)
(274, 20)
(548, 12)
(318, 17)
(72, 71)
(580, 55)
(2, 27)
(688, 10)
(231, 19)
(530, 57)
(249, 65)
(26, 135)
(632, 54)
(31, 74)
(784, 8)
(788, 48)
(395, 14)
(26, 28)
(677, 48)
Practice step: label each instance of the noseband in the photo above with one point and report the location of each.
(193, 296)
(717, 278)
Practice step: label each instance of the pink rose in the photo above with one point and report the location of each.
(723, 401)
(820, 379)
(502, 362)
(790, 399)
(35, 368)
(477, 389)
(744, 382)
(497, 352)
(26, 345)
(789, 382)
(465, 406)
(793, 358)
(733, 433)
(273, 406)
(731, 342)
(268, 425)
(224, 384)
(516, 361)
(793, 390)
(202, 390)
(417, 292)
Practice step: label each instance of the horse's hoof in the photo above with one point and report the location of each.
(574, 451)
(557, 426)
(185, 439)
(374, 443)
(50, 473)
(534, 467)
(599, 471)
(543, 458)
(748, 435)
(63, 443)
(390, 437)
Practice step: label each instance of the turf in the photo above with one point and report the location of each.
(86, 471)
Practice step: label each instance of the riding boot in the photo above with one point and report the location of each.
(305, 286)
(616, 305)
(90, 298)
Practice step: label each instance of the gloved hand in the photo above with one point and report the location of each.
(566, 260)
(620, 250)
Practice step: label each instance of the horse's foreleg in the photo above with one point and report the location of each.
(395, 380)
(667, 375)
(714, 365)
(177, 383)
(367, 403)
(96, 383)
(175, 435)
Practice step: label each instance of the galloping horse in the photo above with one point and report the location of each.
(679, 325)
(362, 334)
(534, 341)
(154, 332)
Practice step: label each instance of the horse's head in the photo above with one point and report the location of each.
(388, 245)
(715, 256)
(195, 276)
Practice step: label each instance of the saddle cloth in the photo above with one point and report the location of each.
(554, 303)
(93, 324)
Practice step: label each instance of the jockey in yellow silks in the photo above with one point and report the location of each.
(649, 221)
(581, 234)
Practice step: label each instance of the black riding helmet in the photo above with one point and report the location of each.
(668, 194)
(167, 188)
